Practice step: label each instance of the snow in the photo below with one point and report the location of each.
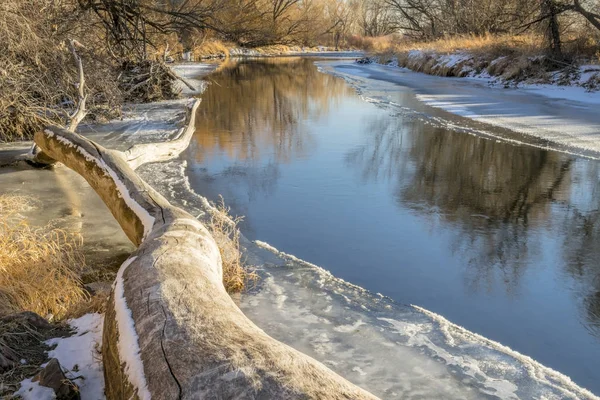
(79, 355)
(128, 342)
(79, 358)
(548, 116)
(450, 60)
(33, 391)
(193, 74)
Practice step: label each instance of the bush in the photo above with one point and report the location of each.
(39, 267)
(224, 229)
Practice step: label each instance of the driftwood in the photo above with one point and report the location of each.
(171, 330)
(35, 156)
(140, 154)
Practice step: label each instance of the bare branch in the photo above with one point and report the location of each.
(80, 111)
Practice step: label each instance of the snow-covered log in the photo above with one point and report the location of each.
(171, 330)
(143, 153)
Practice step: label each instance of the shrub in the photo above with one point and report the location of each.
(224, 229)
(39, 267)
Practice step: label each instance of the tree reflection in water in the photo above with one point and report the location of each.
(502, 204)
(260, 106)
(498, 197)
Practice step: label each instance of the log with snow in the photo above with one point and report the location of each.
(171, 330)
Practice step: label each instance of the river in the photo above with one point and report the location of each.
(406, 201)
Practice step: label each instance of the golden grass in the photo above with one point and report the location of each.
(236, 274)
(210, 49)
(489, 46)
(486, 44)
(39, 267)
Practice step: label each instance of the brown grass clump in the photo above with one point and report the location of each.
(39, 267)
(493, 45)
(224, 229)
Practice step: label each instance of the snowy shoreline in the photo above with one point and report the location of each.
(465, 65)
(560, 118)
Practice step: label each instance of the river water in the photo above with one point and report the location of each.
(405, 201)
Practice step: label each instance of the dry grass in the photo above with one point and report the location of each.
(39, 267)
(22, 337)
(486, 44)
(38, 78)
(236, 274)
(489, 46)
(211, 49)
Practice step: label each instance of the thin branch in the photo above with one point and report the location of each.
(80, 111)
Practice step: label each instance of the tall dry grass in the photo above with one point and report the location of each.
(575, 46)
(236, 274)
(39, 267)
(211, 49)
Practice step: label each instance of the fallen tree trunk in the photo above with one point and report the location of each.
(171, 330)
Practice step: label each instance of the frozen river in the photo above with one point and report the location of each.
(445, 256)
(406, 200)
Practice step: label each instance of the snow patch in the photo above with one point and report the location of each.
(34, 391)
(79, 355)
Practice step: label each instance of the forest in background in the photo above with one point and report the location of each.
(124, 45)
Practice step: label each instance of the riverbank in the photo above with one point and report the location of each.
(504, 71)
(500, 60)
(212, 50)
(546, 116)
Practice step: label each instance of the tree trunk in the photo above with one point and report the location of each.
(550, 11)
(171, 330)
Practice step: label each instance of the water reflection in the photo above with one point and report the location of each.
(260, 108)
(497, 237)
(581, 246)
(496, 196)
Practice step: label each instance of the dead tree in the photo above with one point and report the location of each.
(171, 330)
(35, 155)
(550, 10)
